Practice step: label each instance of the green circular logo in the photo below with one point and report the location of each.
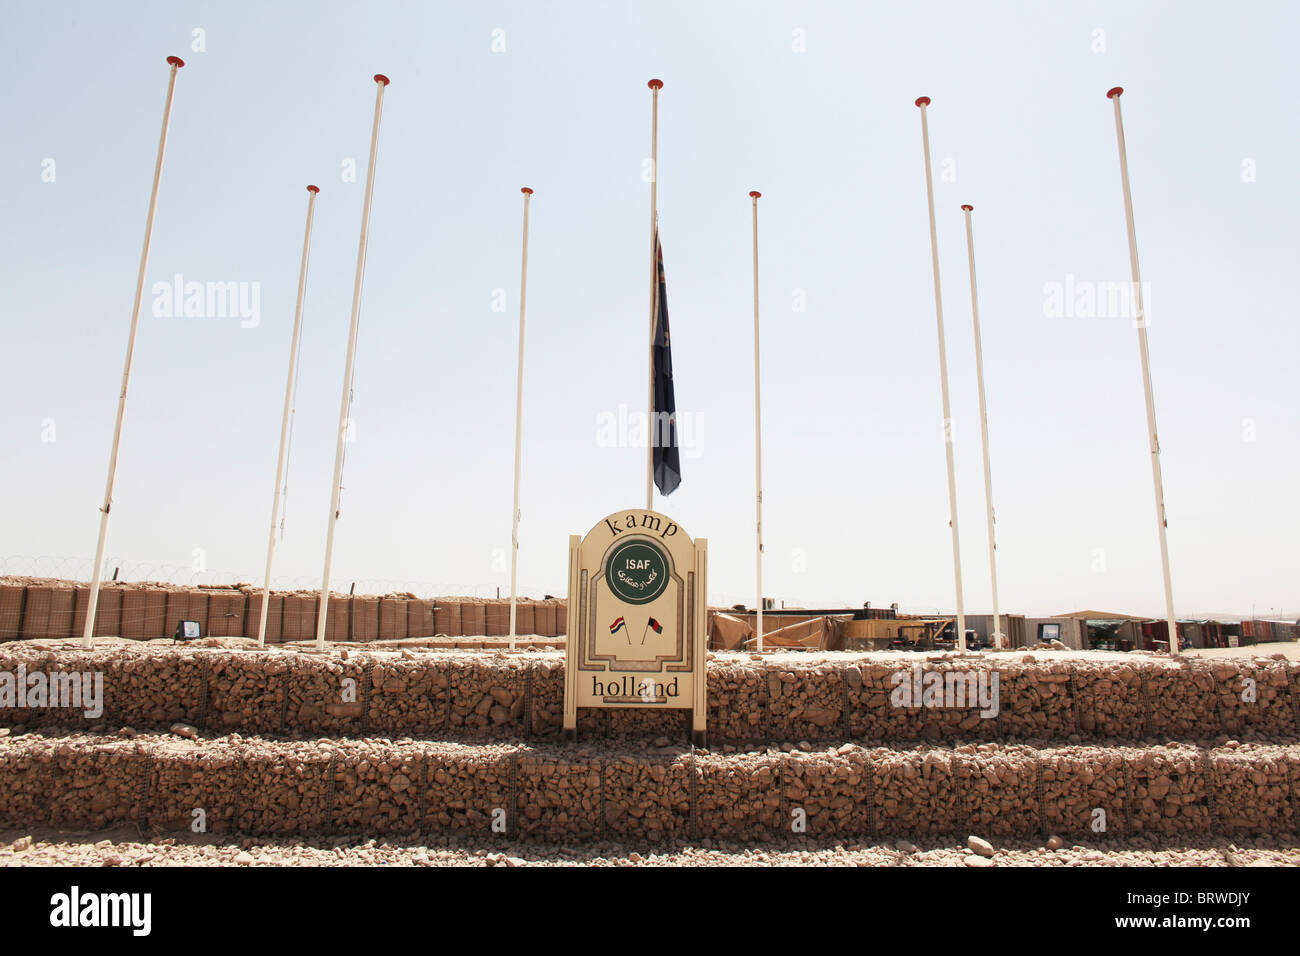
(637, 572)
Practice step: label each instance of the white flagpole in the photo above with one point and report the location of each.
(758, 438)
(984, 427)
(651, 430)
(923, 102)
(519, 419)
(96, 574)
(1162, 523)
(381, 84)
(288, 411)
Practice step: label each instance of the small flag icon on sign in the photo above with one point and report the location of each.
(650, 625)
(617, 626)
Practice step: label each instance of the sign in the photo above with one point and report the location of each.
(637, 605)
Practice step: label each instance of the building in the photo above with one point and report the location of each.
(1013, 628)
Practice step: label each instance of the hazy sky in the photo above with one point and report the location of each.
(812, 103)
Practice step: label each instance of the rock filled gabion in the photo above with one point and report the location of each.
(823, 791)
(921, 793)
(1119, 688)
(488, 694)
(156, 690)
(807, 704)
(326, 697)
(740, 797)
(547, 696)
(240, 698)
(379, 793)
(57, 669)
(213, 782)
(469, 789)
(406, 697)
(1075, 782)
(500, 696)
(1254, 789)
(646, 797)
(467, 744)
(284, 790)
(1002, 795)
(563, 794)
(646, 722)
(560, 795)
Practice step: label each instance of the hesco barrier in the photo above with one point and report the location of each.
(49, 608)
(569, 794)
(513, 697)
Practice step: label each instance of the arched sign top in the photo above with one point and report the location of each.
(639, 520)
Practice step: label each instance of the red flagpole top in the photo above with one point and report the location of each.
(923, 101)
(1114, 92)
(313, 189)
(526, 191)
(380, 78)
(755, 193)
(968, 207)
(176, 61)
(656, 84)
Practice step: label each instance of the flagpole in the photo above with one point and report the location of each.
(984, 427)
(758, 438)
(288, 411)
(1162, 522)
(651, 431)
(96, 574)
(923, 102)
(519, 419)
(381, 82)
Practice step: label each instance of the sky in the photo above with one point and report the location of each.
(811, 103)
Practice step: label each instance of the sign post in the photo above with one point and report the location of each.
(637, 618)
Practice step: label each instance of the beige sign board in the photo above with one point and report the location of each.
(637, 615)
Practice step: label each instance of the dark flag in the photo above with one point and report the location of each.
(651, 625)
(663, 424)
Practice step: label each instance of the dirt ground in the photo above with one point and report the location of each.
(1290, 649)
(128, 848)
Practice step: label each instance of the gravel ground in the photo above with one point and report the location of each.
(126, 848)
(1290, 649)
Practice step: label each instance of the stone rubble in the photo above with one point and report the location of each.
(130, 850)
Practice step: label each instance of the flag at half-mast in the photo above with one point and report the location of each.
(663, 424)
